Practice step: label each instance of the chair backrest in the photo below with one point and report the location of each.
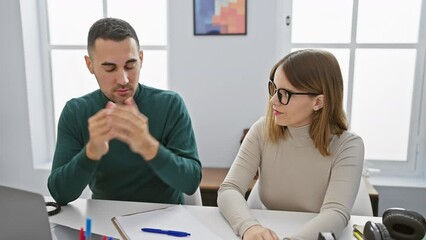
(362, 204)
(361, 207)
(253, 200)
(194, 199)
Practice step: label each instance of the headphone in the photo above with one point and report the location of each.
(399, 224)
(56, 208)
(326, 236)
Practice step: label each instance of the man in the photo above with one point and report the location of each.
(127, 141)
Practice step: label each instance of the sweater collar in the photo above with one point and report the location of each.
(136, 97)
(299, 136)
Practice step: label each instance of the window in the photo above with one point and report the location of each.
(380, 48)
(61, 44)
(68, 38)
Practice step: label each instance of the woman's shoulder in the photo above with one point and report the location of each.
(348, 135)
(259, 125)
(256, 129)
(260, 122)
(347, 139)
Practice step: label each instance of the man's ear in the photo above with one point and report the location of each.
(89, 64)
(318, 102)
(141, 56)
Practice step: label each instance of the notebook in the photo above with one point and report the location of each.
(23, 215)
(175, 218)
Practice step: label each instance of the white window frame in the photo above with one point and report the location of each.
(415, 166)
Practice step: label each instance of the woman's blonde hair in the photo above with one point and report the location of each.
(313, 71)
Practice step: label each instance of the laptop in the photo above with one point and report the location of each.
(23, 215)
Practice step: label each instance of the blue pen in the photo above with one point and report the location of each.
(167, 232)
(88, 228)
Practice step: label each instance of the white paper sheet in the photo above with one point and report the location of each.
(175, 218)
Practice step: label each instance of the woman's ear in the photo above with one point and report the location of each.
(318, 102)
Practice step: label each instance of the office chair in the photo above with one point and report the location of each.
(253, 200)
(194, 199)
(361, 207)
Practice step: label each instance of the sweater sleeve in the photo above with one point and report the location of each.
(71, 169)
(341, 192)
(177, 162)
(231, 201)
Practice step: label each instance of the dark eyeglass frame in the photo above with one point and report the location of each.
(272, 89)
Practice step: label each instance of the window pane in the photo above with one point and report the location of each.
(71, 78)
(327, 21)
(342, 56)
(69, 21)
(383, 87)
(154, 69)
(398, 21)
(148, 17)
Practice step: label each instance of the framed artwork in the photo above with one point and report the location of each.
(220, 17)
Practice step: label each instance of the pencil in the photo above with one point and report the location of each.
(82, 234)
(88, 229)
(357, 235)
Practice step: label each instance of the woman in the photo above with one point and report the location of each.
(306, 158)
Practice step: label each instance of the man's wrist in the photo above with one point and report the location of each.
(149, 152)
(90, 155)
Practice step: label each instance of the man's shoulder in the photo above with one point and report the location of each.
(152, 99)
(160, 97)
(159, 93)
(89, 100)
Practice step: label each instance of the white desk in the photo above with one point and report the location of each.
(101, 211)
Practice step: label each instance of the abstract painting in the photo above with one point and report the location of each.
(220, 17)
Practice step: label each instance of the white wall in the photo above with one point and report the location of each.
(222, 80)
(16, 168)
(404, 197)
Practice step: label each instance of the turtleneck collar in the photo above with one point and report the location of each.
(299, 136)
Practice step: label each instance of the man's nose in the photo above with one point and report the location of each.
(122, 78)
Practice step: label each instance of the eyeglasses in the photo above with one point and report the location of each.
(284, 95)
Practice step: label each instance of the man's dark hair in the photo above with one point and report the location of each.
(110, 29)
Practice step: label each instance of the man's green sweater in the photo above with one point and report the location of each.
(122, 174)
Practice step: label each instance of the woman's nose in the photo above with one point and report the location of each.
(274, 99)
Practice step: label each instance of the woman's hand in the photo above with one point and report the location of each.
(259, 232)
